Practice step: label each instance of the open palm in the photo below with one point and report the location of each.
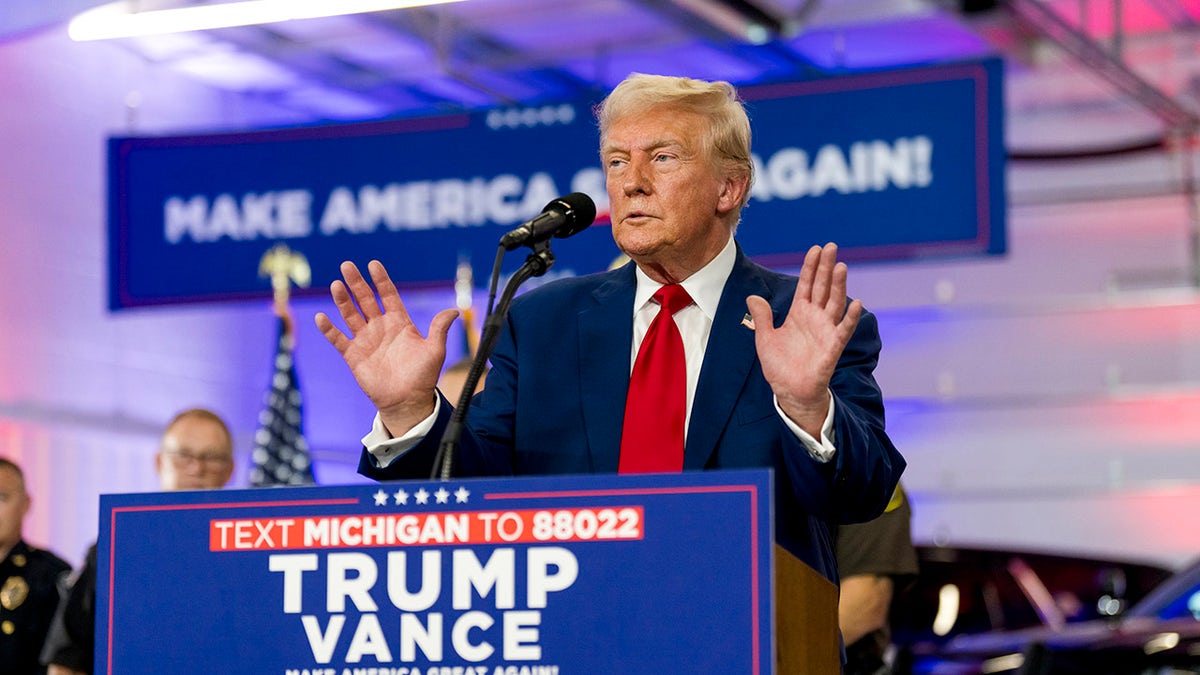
(395, 365)
(798, 358)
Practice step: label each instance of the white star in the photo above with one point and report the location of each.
(401, 496)
(442, 495)
(422, 496)
(461, 494)
(380, 498)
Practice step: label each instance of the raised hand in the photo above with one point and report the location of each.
(396, 366)
(798, 358)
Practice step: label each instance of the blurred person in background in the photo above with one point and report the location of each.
(195, 453)
(876, 561)
(29, 579)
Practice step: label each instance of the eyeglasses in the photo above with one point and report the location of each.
(207, 459)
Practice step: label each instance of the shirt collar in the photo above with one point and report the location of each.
(705, 285)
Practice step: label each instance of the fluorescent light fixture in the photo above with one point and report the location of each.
(120, 20)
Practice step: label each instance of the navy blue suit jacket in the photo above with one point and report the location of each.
(555, 400)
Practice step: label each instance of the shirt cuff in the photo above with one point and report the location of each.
(822, 450)
(384, 449)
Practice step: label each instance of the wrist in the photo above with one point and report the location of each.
(399, 418)
(807, 413)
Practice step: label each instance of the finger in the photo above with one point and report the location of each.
(760, 314)
(440, 326)
(837, 293)
(363, 294)
(388, 295)
(808, 272)
(336, 337)
(823, 277)
(849, 322)
(346, 307)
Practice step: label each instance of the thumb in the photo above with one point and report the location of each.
(440, 326)
(760, 313)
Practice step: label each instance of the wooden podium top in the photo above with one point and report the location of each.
(806, 619)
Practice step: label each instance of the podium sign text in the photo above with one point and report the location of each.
(529, 576)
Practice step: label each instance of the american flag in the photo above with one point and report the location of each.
(281, 454)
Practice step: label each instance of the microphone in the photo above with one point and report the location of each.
(562, 217)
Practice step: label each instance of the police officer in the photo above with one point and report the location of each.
(876, 560)
(29, 579)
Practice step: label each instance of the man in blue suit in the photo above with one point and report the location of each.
(787, 384)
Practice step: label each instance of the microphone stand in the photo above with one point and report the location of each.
(535, 265)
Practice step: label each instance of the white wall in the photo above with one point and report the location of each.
(1048, 398)
(1051, 399)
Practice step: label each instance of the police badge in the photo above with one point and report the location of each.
(13, 593)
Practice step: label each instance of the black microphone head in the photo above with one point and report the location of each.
(578, 210)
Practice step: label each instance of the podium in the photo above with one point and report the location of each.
(806, 618)
(522, 576)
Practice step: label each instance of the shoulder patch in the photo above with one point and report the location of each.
(897, 499)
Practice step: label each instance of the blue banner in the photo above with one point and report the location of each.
(545, 576)
(892, 165)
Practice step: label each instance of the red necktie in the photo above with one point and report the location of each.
(655, 409)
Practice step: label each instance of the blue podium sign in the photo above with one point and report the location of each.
(528, 576)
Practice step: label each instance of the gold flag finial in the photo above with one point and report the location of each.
(284, 267)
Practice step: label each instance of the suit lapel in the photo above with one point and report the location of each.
(605, 333)
(728, 358)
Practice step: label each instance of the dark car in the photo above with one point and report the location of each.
(1158, 635)
(974, 591)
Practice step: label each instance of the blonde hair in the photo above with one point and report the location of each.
(726, 140)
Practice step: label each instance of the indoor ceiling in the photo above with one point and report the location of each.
(1130, 67)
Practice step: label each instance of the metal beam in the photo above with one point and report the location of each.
(317, 66)
(1041, 20)
(1176, 13)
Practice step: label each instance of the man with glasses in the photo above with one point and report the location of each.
(195, 453)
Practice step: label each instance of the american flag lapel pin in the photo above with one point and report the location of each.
(748, 322)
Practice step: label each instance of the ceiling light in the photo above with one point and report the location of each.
(120, 20)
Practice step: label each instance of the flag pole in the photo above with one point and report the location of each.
(281, 455)
(284, 266)
(464, 297)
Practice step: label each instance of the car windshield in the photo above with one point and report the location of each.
(1176, 598)
(964, 591)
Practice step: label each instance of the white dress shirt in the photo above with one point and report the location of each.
(694, 322)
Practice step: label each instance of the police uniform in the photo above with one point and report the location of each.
(881, 547)
(29, 583)
(70, 642)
